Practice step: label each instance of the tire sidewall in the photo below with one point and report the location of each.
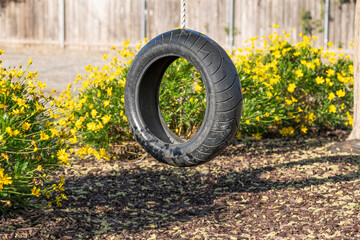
(150, 54)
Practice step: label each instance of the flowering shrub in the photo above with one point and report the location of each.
(182, 98)
(287, 88)
(32, 146)
(96, 114)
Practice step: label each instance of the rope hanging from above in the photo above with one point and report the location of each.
(183, 13)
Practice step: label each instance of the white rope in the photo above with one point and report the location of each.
(183, 13)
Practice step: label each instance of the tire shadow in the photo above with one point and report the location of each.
(138, 199)
(146, 196)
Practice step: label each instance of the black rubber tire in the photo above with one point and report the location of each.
(223, 98)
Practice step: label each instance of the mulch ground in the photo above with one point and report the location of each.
(257, 189)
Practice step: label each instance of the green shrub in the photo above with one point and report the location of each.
(182, 98)
(32, 146)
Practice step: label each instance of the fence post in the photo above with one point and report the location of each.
(143, 20)
(326, 23)
(62, 23)
(231, 25)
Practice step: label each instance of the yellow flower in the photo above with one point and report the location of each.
(310, 65)
(330, 44)
(9, 131)
(342, 106)
(288, 101)
(277, 54)
(93, 113)
(63, 156)
(299, 73)
(328, 81)
(330, 72)
(106, 103)
(18, 111)
(44, 136)
(35, 191)
(247, 122)
(30, 61)
(269, 94)
(310, 118)
(304, 129)
(79, 122)
(275, 26)
(267, 114)
(340, 93)
(4, 179)
(257, 135)
(319, 80)
(109, 91)
(198, 88)
(58, 201)
(331, 96)
(91, 126)
(351, 69)
(104, 154)
(332, 109)
(63, 122)
(41, 85)
(286, 131)
(39, 168)
(351, 121)
(54, 132)
(291, 87)
(317, 61)
(258, 118)
(105, 56)
(16, 132)
(105, 119)
(26, 126)
(332, 60)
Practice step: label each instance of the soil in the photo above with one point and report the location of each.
(292, 188)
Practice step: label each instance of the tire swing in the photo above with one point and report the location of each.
(223, 97)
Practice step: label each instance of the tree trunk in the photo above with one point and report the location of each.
(355, 133)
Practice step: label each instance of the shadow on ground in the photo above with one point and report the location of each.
(157, 197)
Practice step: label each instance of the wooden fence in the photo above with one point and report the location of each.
(95, 23)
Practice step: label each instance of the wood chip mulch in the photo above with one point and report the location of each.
(257, 189)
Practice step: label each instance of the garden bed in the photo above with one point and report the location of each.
(289, 188)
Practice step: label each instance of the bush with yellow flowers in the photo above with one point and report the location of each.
(288, 89)
(32, 144)
(95, 112)
(291, 88)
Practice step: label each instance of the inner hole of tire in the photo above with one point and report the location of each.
(182, 99)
